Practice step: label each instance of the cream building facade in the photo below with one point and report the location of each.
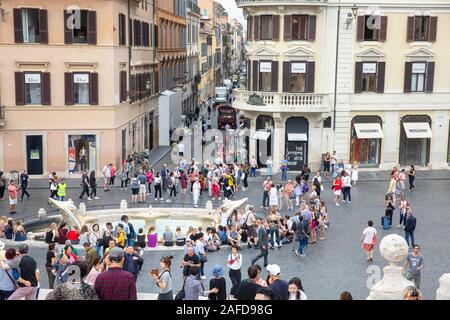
(78, 84)
(365, 78)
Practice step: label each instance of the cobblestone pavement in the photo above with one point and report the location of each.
(330, 266)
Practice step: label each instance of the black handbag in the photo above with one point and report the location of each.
(181, 294)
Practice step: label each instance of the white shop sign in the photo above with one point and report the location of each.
(298, 68)
(265, 67)
(81, 78)
(418, 68)
(32, 78)
(369, 68)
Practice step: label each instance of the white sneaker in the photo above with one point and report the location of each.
(220, 198)
(168, 200)
(296, 252)
(195, 206)
(162, 199)
(398, 226)
(203, 277)
(96, 198)
(337, 204)
(89, 199)
(349, 202)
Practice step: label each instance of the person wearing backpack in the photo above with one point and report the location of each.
(164, 279)
(134, 189)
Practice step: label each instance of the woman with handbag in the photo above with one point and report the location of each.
(164, 279)
(369, 240)
(96, 239)
(234, 263)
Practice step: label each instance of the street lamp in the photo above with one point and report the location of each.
(351, 16)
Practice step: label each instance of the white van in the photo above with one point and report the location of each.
(228, 84)
(221, 95)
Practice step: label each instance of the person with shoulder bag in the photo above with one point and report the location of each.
(164, 278)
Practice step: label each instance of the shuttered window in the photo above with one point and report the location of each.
(122, 30)
(372, 28)
(30, 25)
(81, 88)
(419, 76)
(300, 27)
(80, 27)
(369, 77)
(298, 76)
(123, 86)
(422, 28)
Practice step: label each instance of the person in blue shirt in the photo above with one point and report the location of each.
(284, 169)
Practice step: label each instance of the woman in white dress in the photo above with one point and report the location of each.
(273, 197)
(354, 174)
(196, 192)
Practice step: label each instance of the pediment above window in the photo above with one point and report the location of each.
(299, 54)
(264, 53)
(370, 55)
(420, 54)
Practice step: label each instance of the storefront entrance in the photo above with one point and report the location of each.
(415, 136)
(297, 131)
(365, 143)
(82, 150)
(35, 158)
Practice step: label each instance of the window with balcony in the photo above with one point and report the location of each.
(298, 76)
(422, 28)
(265, 76)
(30, 25)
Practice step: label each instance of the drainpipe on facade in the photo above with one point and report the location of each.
(336, 68)
(129, 47)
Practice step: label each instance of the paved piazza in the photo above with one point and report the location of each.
(330, 266)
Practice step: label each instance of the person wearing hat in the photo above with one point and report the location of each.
(218, 282)
(280, 287)
(115, 283)
(29, 275)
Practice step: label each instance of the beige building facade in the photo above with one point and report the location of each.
(77, 84)
(365, 78)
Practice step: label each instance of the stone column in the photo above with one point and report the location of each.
(252, 142)
(394, 249)
(278, 142)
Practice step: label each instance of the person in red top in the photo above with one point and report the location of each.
(12, 192)
(115, 283)
(112, 170)
(337, 187)
(73, 235)
(149, 175)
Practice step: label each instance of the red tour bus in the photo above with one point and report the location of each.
(226, 115)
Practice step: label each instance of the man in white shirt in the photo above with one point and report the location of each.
(253, 167)
(107, 176)
(346, 187)
(181, 149)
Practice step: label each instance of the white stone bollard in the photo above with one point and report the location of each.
(392, 287)
(42, 214)
(209, 206)
(123, 206)
(82, 209)
(443, 292)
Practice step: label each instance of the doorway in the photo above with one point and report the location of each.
(297, 129)
(35, 158)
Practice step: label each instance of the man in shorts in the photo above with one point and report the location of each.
(250, 221)
(12, 191)
(142, 186)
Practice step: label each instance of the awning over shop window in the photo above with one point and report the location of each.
(297, 137)
(417, 130)
(368, 130)
(261, 135)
